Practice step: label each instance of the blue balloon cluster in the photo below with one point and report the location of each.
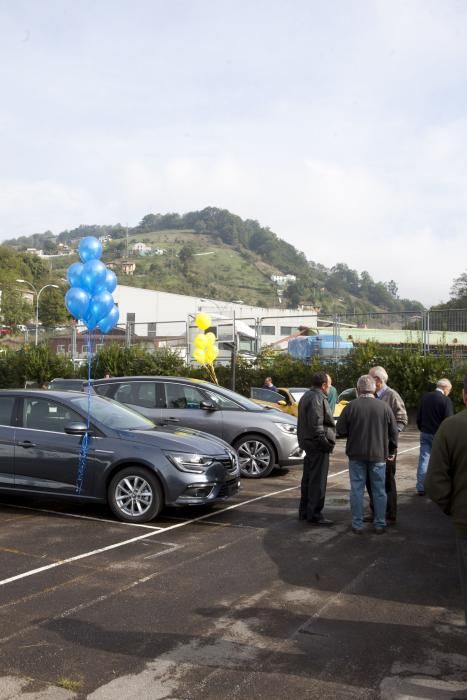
(89, 298)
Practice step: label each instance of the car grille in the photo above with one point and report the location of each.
(230, 463)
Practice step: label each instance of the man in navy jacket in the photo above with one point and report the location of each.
(432, 410)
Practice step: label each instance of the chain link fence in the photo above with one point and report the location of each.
(442, 332)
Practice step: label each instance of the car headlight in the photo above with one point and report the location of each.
(287, 428)
(190, 462)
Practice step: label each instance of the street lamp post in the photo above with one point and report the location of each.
(37, 293)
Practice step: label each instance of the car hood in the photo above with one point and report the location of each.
(178, 440)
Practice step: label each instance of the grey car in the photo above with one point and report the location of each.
(129, 463)
(263, 438)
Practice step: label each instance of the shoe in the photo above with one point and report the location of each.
(368, 518)
(379, 530)
(357, 531)
(322, 521)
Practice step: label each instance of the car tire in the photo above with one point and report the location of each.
(256, 456)
(134, 495)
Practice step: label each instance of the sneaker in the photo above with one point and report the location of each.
(379, 530)
(357, 531)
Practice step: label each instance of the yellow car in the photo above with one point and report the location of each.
(284, 399)
(343, 399)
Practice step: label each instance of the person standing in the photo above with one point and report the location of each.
(446, 481)
(371, 431)
(317, 437)
(432, 410)
(397, 406)
(269, 385)
(332, 398)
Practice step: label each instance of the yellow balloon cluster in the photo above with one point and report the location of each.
(206, 350)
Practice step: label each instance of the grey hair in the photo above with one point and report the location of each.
(379, 373)
(444, 383)
(366, 384)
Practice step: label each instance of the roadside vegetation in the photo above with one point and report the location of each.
(410, 372)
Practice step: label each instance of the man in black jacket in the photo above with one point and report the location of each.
(371, 431)
(317, 436)
(432, 410)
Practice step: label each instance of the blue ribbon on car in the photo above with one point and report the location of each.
(83, 452)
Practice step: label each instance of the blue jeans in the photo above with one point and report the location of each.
(377, 474)
(426, 441)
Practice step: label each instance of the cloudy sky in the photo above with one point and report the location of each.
(340, 124)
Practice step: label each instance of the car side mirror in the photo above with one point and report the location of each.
(76, 428)
(206, 406)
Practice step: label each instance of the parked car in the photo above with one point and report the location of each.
(285, 399)
(264, 439)
(343, 399)
(134, 466)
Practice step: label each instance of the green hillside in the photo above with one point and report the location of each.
(216, 254)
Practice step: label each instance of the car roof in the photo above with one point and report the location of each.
(149, 377)
(42, 393)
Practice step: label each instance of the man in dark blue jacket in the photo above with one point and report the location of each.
(433, 409)
(317, 436)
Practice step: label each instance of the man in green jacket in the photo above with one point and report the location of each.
(446, 481)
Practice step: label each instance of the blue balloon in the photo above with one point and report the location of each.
(111, 320)
(100, 305)
(90, 248)
(77, 302)
(73, 274)
(111, 281)
(93, 276)
(90, 321)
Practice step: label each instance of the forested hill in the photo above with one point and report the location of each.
(217, 254)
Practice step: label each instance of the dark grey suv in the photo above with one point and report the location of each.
(264, 438)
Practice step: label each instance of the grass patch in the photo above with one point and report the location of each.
(69, 684)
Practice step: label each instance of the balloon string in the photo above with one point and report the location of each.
(83, 452)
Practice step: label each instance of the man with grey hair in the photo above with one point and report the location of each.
(432, 410)
(394, 401)
(371, 431)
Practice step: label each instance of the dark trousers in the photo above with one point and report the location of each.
(313, 487)
(462, 558)
(391, 490)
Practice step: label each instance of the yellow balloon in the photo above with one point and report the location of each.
(200, 341)
(203, 321)
(199, 355)
(210, 338)
(211, 353)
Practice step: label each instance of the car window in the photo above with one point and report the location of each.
(261, 394)
(113, 414)
(6, 408)
(105, 389)
(137, 393)
(42, 414)
(222, 401)
(182, 396)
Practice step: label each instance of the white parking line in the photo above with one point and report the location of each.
(80, 517)
(156, 531)
(117, 545)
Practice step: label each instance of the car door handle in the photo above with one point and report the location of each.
(26, 443)
(172, 419)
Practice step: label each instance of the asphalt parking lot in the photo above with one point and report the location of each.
(243, 601)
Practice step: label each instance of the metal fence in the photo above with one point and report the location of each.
(441, 332)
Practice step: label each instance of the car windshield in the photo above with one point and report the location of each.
(113, 414)
(297, 394)
(218, 394)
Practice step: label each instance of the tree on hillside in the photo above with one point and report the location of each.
(15, 310)
(52, 309)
